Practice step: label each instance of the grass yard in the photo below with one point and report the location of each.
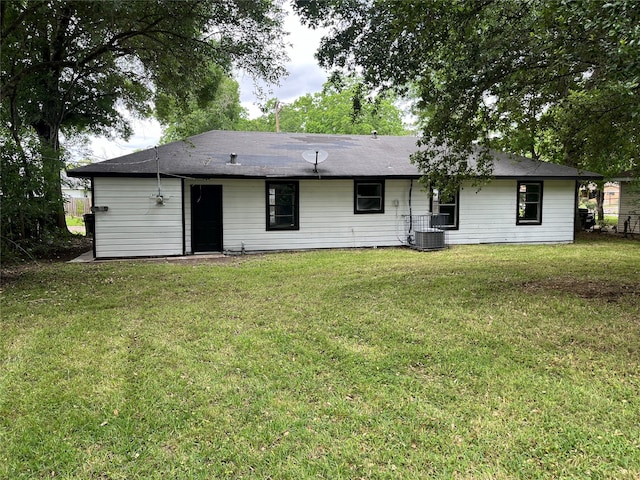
(73, 221)
(473, 362)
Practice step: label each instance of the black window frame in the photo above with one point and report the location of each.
(520, 219)
(356, 196)
(295, 223)
(456, 216)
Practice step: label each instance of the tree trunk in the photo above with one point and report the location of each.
(600, 204)
(49, 123)
(51, 167)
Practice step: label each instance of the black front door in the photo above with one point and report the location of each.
(206, 218)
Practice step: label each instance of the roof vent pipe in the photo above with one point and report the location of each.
(232, 158)
(374, 133)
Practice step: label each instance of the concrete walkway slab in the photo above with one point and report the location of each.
(88, 258)
(84, 258)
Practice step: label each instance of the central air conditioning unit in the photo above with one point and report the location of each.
(431, 239)
(426, 232)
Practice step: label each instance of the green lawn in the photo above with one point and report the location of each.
(75, 221)
(473, 362)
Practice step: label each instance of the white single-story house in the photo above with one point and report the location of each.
(629, 203)
(233, 192)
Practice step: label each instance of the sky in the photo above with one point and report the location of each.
(305, 76)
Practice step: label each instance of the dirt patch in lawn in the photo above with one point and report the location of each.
(606, 291)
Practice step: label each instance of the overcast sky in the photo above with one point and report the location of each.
(305, 76)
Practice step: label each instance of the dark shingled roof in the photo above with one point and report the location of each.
(266, 155)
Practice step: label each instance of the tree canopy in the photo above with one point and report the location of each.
(332, 111)
(215, 106)
(74, 67)
(556, 80)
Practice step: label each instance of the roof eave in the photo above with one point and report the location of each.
(315, 176)
(548, 177)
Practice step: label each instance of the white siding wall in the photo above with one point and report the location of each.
(326, 216)
(135, 225)
(489, 215)
(629, 202)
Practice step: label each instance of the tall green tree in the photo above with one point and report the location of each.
(72, 67)
(340, 108)
(214, 106)
(556, 80)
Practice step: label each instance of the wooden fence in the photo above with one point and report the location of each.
(76, 207)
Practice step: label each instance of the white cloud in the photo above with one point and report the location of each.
(303, 78)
